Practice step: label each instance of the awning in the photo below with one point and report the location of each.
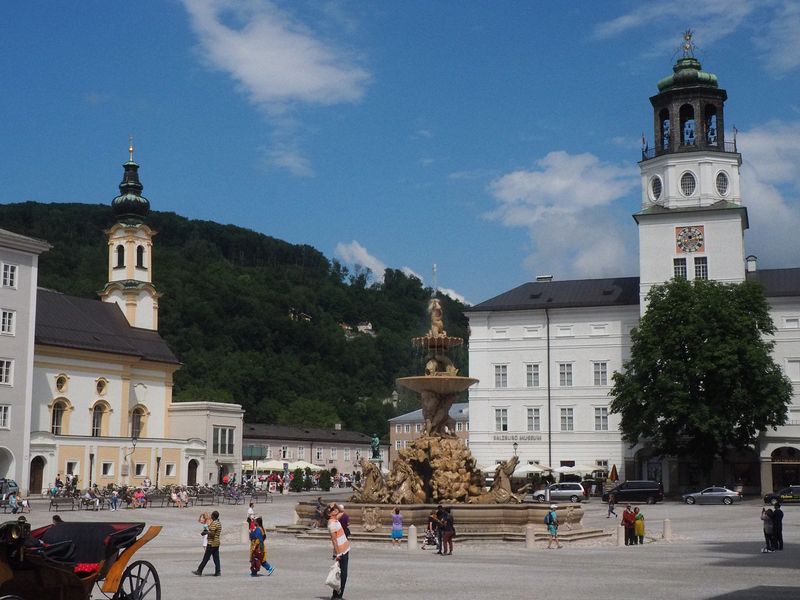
(303, 465)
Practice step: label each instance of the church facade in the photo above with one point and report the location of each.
(92, 391)
(545, 351)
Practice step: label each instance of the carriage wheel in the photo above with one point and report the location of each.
(11, 598)
(139, 582)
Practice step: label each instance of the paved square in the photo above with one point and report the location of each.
(715, 553)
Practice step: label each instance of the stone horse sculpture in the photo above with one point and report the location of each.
(500, 492)
(373, 489)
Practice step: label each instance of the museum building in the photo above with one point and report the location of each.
(545, 352)
(86, 385)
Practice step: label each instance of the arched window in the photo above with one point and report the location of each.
(140, 257)
(120, 250)
(97, 419)
(137, 422)
(711, 125)
(663, 118)
(57, 425)
(688, 130)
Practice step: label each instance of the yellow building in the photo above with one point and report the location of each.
(102, 379)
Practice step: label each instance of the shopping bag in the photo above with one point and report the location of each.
(334, 578)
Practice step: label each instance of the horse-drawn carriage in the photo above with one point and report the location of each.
(65, 561)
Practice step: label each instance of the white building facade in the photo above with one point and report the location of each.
(545, 352)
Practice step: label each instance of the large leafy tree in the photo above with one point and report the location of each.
(701, 377)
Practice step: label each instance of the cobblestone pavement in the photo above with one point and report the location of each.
(714, 553)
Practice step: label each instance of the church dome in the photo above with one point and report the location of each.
(130, 204)
(688, 72)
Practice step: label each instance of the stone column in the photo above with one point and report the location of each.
(766, 476)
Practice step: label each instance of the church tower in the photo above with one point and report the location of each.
(691, 222)
(130, 253)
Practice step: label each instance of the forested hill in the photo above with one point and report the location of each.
(228, 299)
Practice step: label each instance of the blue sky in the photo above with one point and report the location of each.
(498, 140)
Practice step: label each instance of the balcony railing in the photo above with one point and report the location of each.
(648, 153)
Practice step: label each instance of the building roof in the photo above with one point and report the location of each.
(777, 282)
(577, 293)
(16, 241)
(622, 291)
(261, 431)
(84, 324)
(459, 411)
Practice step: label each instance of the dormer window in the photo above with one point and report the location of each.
(120, 252)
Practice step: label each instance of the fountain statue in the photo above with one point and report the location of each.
(437, 467)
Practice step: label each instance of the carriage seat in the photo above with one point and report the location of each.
(93, 542)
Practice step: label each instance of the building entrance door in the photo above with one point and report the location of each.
(191, 478)
(37, 476)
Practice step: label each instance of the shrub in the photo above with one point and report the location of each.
(296, 485)
(325, 481)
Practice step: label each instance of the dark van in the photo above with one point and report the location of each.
(637, 491)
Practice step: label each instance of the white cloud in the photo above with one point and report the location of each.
(275, 58)
(279, 63)
(409, 272)
(770, 179)
(564, 202)
(774, 23)
(356, 254)
(454, 295)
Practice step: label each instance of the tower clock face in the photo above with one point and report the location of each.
(690, 239)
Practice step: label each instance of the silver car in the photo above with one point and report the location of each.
(573, 492)
(713, 495)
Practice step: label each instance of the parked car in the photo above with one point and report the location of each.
(6, 487)
(713, 495)
(787, 494)
(637, 491)
(574, 492)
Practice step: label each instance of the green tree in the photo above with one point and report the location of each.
(701, 377)
(325, 481)
(296, 485)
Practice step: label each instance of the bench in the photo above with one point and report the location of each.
(203, 498)
(58, 501)
(260, 496)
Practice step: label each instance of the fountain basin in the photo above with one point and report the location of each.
(444, 385)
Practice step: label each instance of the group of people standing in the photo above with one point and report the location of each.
(633, 522)
(440, 531)
(772, 519)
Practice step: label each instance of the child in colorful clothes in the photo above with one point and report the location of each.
(397, 528)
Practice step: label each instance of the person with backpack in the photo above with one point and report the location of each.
(551, 520)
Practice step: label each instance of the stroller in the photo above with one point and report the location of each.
(430, 539)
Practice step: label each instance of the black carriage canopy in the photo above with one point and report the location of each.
(84, 545)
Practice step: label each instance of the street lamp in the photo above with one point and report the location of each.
(515, 445)
(158, 465)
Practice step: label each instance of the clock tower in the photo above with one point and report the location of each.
(691, 222)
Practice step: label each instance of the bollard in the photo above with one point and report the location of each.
(667, 529)
(620, 535)
(530, 536)
(412, 538)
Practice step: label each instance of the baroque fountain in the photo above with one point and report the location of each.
(438, 467)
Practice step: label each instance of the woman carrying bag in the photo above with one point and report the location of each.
(341, 551)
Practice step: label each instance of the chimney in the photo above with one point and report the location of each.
(752, 263)
(337, 427)
(543, 278)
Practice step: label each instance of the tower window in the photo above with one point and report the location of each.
(120, 256)
(679, 268)
(722, 183)
(701, 267)
(688, 184)
(688, 128)
(664, 118)
(656, 187)
(711, 125)
(140, 257)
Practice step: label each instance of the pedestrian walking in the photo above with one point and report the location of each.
(629, 522)
(114, 499)
(777, 526)
(397, 528)
(551, 520)
(258, 549)
(638, 526)
(212, 546)
(341, 546)
(769, 529)
(430, 532)
(251, 513)
(612, 500)
(439, 528)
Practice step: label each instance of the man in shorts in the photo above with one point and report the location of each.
(551, 520)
